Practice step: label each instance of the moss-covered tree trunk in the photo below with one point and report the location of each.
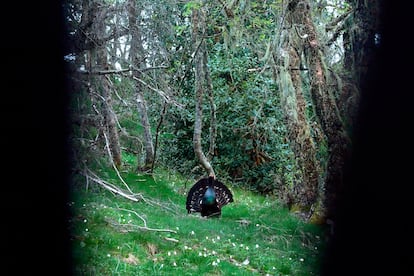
(136, 57)
(202, 83)
(304, 194)
(325, 105)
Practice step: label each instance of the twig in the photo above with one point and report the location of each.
(144, 228)
(161, 93)
(143, 220)
(171, 239)
(157, 133)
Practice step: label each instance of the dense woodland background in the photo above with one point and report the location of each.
(260, 93)
(300, 99)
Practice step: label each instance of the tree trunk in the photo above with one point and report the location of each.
(360, 41)
(99, 55)
(294, 107)
(136, 57)
(213, 120)
(201, 79)
(325, 106)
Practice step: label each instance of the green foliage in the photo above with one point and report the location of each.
(190, 6)
(254, 236)
(249, 121)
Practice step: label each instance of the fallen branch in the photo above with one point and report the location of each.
(92, 176)
(143, 220)
(113, 164)
(143, 228)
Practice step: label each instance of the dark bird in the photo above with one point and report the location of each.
(208, 196)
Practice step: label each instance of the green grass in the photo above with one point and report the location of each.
(254, 236)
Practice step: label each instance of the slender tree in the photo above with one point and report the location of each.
(202, 83)
(136, 53)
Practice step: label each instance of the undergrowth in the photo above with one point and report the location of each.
(112, 235)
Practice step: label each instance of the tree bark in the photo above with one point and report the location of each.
(201, 79)
(99, 55)
(325, 107)
(359, 42)
(136, 57)
(299, 134)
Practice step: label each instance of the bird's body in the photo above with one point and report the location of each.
(208, 196)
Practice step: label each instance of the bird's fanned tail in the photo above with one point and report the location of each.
(198, 198)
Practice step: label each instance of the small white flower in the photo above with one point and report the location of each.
(234, 245)
(246, 262)
(257, 225)
(185, 247)
(218, 260)
(175, 252)
(192, 233)
(273, 267)
(214, 263)
(247, 248)
(85, 220)
(169, 253)
(177, 228)
(109, 255)
(174, 264)
(206, 238)
(257, 246)
(213, 252)
(86, 229)
(301, 259)
(218, 237)
(200, 254)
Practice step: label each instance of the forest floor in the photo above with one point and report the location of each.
(113, 235)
